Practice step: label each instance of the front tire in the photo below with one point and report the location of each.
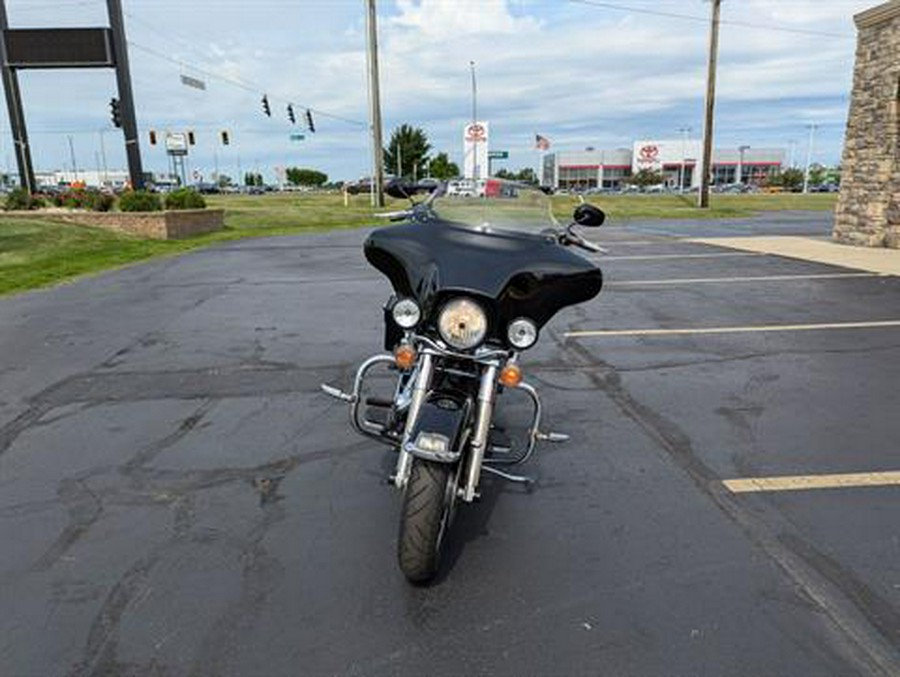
(425, 517)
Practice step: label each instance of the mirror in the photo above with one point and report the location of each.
(589, 216)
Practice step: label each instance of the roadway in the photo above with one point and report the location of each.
(176, 497)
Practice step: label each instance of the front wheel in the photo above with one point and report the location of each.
(427, 509)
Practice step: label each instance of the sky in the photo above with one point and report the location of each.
(582, 73)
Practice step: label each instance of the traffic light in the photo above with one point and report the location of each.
(226, 140)
(114, 112)
(192, 141)
(309, 121)
(291, 116)
(265, 105)
(152, 137)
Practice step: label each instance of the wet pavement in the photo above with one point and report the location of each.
(177, 498)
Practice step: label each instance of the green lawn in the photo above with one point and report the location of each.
(36, 252)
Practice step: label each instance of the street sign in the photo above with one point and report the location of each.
(298, 137)
(498, 155)
(196, 83)
(177, 143)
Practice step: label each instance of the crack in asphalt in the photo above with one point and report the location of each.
(867, 624)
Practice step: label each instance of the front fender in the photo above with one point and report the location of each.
(440, 433)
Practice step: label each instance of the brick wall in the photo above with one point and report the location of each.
(868, 211)
(173, 225)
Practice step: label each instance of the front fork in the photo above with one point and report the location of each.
(419, 394)
(478, 445)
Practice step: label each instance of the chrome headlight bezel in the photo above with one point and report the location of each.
(462, 311)
(522, 333)
(406, 313)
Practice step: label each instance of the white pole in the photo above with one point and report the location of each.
(809, 154)
(476, 170)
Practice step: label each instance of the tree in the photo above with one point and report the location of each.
(789, 179)
(298, 176)
(442, 168)
(223, 181)
(525, 175)
(407, 153)
(647, 177)
(253, 179)
(817, 174)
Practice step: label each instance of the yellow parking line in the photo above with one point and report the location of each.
(760, 278)
(806, 482)
(654, 257)
(602, 333)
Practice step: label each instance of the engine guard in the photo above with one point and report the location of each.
(449, 426)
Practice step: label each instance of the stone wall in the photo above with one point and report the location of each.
(868, 211)
(168, 225)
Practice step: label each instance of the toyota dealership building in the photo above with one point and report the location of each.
(679, 161)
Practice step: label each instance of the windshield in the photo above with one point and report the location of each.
(494, 204)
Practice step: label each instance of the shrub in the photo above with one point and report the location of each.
(20, 199)
(80, 198)
(102, 202)
(185, 198)
(139, 201)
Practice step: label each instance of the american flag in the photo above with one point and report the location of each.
(541, 142)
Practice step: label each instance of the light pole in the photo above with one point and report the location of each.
(739, 175)
(685, 133)
(809, 155)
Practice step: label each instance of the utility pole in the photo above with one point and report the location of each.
(375, 106)
(809, 155)
(703, 199)
(685, 132)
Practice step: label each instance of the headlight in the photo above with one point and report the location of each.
(522, 333)
(463, 324)
(406, 313)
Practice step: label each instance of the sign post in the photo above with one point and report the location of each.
(475, 146)
(496, 155)
(42, 48)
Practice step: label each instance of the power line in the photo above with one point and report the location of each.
(704, 20)
(234, 81)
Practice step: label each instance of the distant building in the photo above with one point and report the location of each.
(868, 211)
(677, 160)
(587, 169)
(90, 178)
(115, 179)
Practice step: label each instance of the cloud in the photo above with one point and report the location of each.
(581, 75)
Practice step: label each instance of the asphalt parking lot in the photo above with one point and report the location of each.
(176, 497)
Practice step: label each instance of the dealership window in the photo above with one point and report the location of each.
(578, 177)
(723, 174)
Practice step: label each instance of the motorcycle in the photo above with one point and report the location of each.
(475, 279)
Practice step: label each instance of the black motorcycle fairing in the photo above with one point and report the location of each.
(516, 274)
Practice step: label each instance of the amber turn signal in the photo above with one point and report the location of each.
(405, 356)
(511, 375)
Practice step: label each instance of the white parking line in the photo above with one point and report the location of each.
(604, 333)
(806, 482)
(759, 278)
